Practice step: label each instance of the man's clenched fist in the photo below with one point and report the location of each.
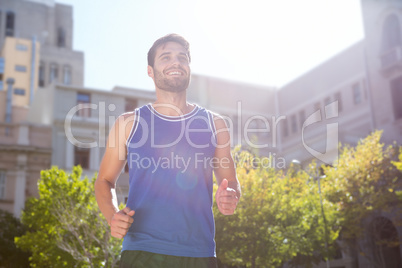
(121, 222)
(226, 198)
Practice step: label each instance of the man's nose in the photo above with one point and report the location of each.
(175, 61)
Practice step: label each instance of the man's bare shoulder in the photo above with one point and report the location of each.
(127, 115)
(124, 123)
(219, 121)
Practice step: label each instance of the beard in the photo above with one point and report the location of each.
(174, 84)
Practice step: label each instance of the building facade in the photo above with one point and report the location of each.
(80, 119)
(363, 83)
(25, 148)
(20, 59)
(51, 25)
(248, 109)
(344, 99)
(36, 51)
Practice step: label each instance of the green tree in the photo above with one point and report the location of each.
(68, 229)
(277, 219)
(365, 183)
(10, 255)
(398, 165)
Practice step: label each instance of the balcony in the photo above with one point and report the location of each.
(391, 59)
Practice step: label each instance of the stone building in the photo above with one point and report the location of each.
(364, 80)
(249, 110)
(51, 25)
(36, 51)
(25, 148)
(80, 119)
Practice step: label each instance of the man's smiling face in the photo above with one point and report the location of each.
(171, 71)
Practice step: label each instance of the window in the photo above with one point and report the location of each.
(338, 97)
(53, 73)
(2, 184)
(83, 98)
(10, 17)
(61, 37)
(391, 33)
(66, 75)
(131, 104)
(293, 123)
(21, 47)
(81, 157)
(20, 68)
(19, 91)
(357, 96)
(396, 92)
(302, 117)
(41, 81)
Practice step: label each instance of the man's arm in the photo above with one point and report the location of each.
(229, 192)
(112, 163)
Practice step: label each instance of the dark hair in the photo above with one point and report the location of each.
(163, 40)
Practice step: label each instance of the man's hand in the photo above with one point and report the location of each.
(226, 198)
(121, 222)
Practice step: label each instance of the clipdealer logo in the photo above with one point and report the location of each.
(267, 126)
(332, 130)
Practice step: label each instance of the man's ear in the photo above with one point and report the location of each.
(150, 71)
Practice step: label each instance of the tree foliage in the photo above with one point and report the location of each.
(278, 218)
(366, 183)
(67, 228)
(10, 255)
(398, 165)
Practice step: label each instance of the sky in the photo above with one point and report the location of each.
(262, 42)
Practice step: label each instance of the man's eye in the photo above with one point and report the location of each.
(183, 59)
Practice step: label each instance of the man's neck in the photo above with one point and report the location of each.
(172, 103)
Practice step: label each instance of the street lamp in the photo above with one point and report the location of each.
(318, 178)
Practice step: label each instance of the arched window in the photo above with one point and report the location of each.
(391, 33)
(385, 243)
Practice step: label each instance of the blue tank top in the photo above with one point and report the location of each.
(170, 166)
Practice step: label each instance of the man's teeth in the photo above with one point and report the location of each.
(172, 73)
